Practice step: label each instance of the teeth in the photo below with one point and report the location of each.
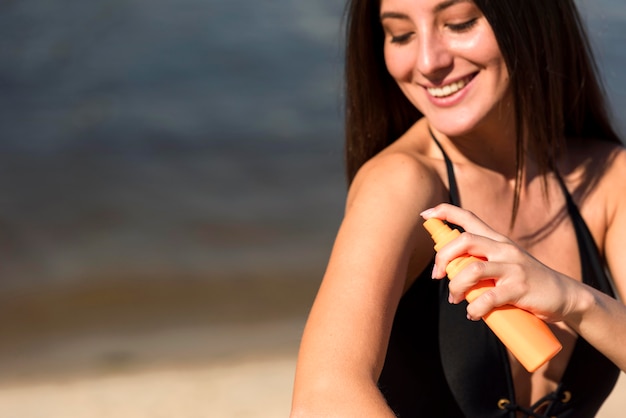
(448, 89)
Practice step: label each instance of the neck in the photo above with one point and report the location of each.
(491, 144)
(493, 151)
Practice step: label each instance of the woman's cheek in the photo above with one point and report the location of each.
(399, 64)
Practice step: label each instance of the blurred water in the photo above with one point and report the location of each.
(146, 138)
(139, 76)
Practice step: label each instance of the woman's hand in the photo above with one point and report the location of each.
(520, 279)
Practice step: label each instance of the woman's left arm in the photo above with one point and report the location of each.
(523, 281)
(606, 320)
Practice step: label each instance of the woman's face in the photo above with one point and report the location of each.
(445, 58)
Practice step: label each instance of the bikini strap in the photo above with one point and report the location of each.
(591, 261)
(452, 187)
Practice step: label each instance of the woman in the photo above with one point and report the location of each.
(489, 115)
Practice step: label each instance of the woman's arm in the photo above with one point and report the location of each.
(345, 338)
(607, 314)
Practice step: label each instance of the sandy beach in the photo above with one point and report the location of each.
(240, 389)
(179, 358)
(252, 385)
(189, 348)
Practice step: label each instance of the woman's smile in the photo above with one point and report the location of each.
(450, 88)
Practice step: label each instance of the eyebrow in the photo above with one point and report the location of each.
(448, 3)
(437, 9)
(393, 15)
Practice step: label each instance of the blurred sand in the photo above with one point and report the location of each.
(98, 353)
(241, 389)
(152, 349)
(257, 386)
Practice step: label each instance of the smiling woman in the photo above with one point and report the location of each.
(447, 62)
(488, 115)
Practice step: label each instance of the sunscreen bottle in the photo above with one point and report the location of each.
(528, 338)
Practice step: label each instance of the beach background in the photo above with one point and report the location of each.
(171, 182)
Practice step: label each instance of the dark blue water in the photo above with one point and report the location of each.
(183, 137)
(143, 76)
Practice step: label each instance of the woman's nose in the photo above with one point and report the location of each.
(434, 59)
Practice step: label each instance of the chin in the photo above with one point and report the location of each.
(455, 129)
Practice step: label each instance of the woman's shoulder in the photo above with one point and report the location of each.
(404, 168)
(598, 159)
(595, 172)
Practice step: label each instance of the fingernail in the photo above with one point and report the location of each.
(427, 212)
(450, 298)
(433, 275)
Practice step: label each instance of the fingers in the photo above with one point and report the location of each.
(520, 279)
(546, 296)
(478, 246)
(501, 275)
(463, 218)
(507, 289)
(478, 239)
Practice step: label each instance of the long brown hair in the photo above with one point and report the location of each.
(553, 76)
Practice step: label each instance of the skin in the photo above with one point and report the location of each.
(381, 246)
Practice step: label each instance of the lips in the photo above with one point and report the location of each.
(449, 89)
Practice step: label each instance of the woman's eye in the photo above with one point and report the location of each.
(400, 38)
(462, 27)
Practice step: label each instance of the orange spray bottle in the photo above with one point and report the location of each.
(527, 337)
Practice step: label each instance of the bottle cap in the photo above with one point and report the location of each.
(440, 232)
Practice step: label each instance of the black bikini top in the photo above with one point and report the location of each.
(589, 376)
(439, 364)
